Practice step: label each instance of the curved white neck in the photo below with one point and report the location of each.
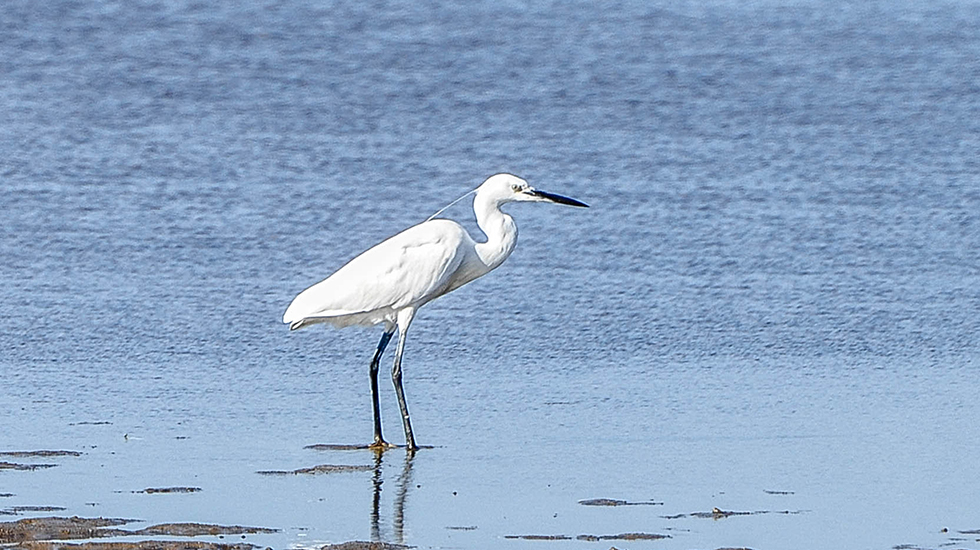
(500, 229)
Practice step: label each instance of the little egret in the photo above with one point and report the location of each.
(391, 281)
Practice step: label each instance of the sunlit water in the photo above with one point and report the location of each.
(772, 305)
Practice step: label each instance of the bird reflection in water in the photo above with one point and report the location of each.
(404, 481)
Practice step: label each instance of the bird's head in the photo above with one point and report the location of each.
(505, 188)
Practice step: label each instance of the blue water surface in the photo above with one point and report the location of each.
(772, 305)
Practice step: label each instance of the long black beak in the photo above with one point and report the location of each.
(558, 198)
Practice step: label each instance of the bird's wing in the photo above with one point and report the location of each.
(414, 266)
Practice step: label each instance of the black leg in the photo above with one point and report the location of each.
(379, 441)
(396, 378)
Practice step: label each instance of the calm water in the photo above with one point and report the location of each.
(772, 305)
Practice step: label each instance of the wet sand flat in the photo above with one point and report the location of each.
(83, 532)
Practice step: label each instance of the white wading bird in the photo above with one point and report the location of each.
(391, 281)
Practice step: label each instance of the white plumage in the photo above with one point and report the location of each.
(390, 281)
(407, 269)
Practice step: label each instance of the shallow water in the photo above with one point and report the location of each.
(772, 305)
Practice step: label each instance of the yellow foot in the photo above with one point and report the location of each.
(380, 445)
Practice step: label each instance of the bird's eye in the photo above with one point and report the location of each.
(516, 187)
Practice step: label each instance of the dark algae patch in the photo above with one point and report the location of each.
(157, 490)
(56, 528)
(42, 532)
(538, 537)
(347, 447)
(18, 510)
(717, 513)
(91, 423)
(332, 447)
(320, 469)
(34, 454)
(592, 538)
(362, 545)
(17, 466)
(7, 465)
(199, 529)
(140, 545)
(616, 502)
(623, 536)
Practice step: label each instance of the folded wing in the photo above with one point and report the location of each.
(409, 268)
